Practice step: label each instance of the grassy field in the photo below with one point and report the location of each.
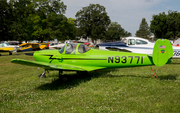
(118, 90)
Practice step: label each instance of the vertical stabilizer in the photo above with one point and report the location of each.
(162, 52)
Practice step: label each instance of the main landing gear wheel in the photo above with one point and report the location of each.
(82, 73)
(10, 53)
(60, 73)
(64, 78)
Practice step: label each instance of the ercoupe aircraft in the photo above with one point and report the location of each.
(79, 57)
(6, 47)
(135, 45)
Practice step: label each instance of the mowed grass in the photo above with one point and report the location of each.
(116, 90)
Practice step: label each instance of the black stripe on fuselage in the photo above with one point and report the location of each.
(73, 58)
(50, 57)
(83, 59)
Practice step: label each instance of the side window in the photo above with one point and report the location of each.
(140, 42)
(87, 48)
(83, 48)
(131, 42)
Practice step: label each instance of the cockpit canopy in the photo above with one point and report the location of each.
(74, 48)
(135, 41)
(4, 44)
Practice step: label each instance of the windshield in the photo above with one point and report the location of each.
(7, 44)
(62, 50)
(124, 40)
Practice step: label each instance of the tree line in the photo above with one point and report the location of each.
(45, 20)
(162, 25)
(34, 20)
(25, 20)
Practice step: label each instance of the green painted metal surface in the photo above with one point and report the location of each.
(162, 52)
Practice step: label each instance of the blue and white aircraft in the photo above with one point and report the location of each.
(135, 45)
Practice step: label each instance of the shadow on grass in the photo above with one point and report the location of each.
(72, 80)
(165, 77)
(168, 77)
(174, 63)
(9, 55)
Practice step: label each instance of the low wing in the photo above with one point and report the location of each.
(55, 66)
(8, 49)
(5, 50)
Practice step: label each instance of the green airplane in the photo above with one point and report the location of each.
(81, 58)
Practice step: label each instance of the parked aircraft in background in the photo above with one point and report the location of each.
(176, 42)
(32, 46)
(81, 58)
(135, 45)
(56, 45)
(6, 47)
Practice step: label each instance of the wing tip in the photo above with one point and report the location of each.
(14, 60)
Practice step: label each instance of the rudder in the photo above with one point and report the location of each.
(162, 52)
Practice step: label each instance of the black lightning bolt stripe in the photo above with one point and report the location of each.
(83, 59)
(74, 58)
(50, 56)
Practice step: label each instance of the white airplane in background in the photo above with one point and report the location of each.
(135, 45)
(6, 47)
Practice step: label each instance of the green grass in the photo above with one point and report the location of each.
(116, 90)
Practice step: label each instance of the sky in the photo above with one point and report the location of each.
(128, 13)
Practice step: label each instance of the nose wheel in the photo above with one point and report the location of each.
(43, 75)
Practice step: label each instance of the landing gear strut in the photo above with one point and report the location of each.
(43, 75)
(60, 73)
